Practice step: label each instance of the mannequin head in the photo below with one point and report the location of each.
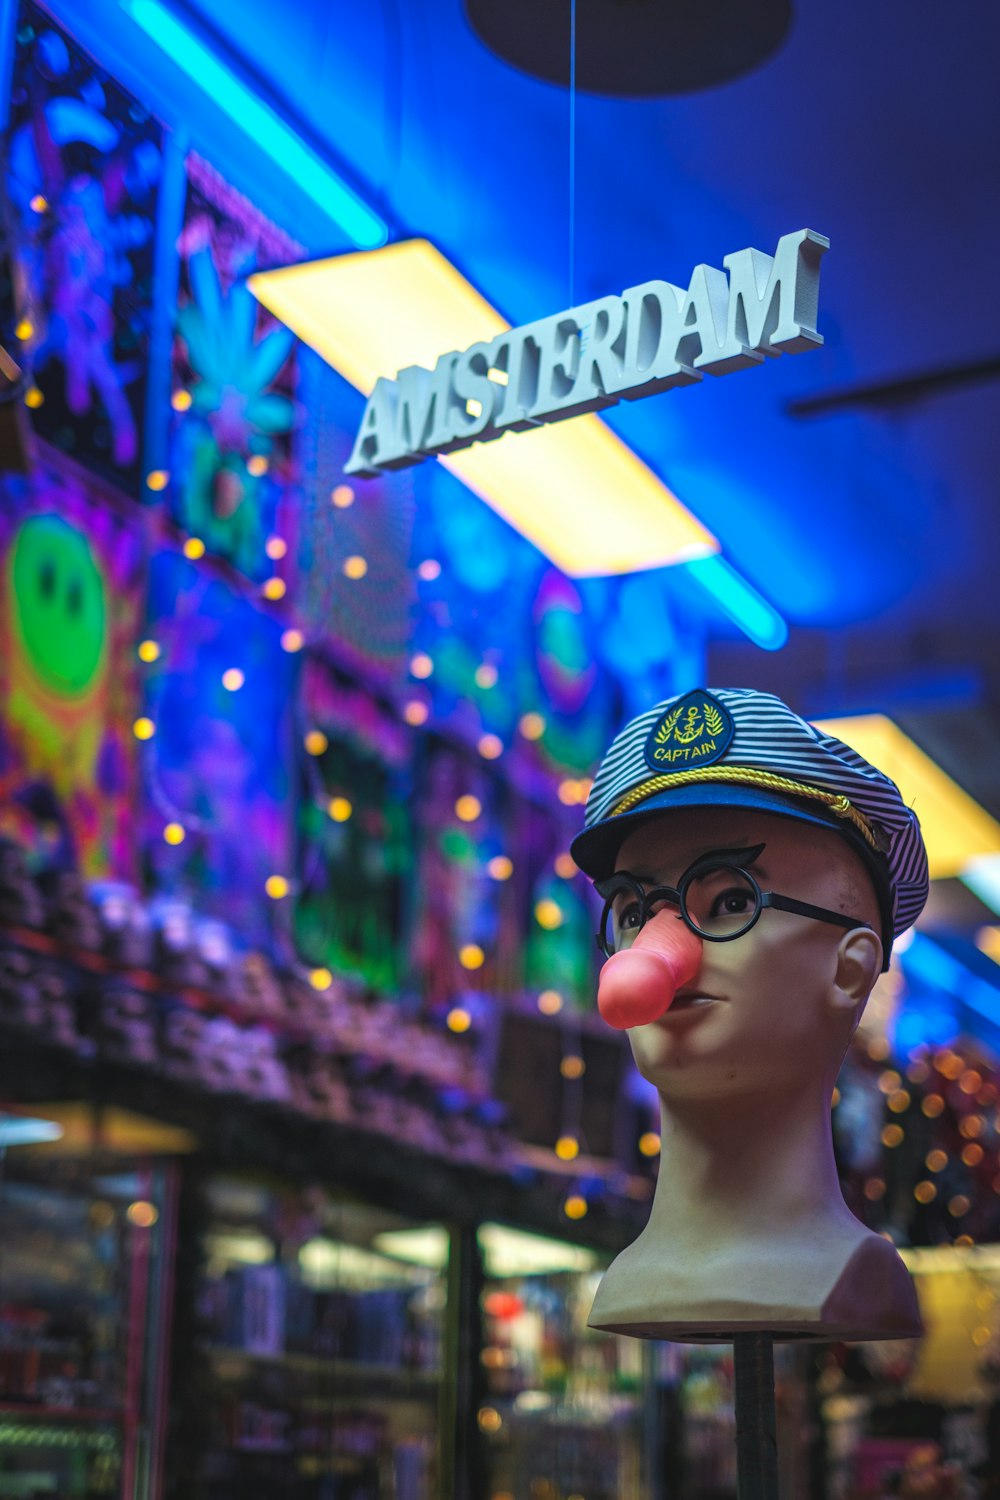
(776, 1007)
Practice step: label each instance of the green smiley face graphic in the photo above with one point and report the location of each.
(58, 604)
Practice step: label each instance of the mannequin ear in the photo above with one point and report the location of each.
(859, 963)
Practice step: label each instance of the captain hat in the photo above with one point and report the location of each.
(737, 747)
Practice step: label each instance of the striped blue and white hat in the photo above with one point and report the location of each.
(739, 747)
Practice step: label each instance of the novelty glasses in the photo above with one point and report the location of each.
(717, 899)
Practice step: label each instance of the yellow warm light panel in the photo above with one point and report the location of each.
(955, 828)
(120, 1131)
(988, 942)
(574, 488)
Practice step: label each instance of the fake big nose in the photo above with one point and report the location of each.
(639, 984)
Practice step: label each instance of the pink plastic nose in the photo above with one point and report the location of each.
(638, 985)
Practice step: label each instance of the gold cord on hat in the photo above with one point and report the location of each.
(747, 775)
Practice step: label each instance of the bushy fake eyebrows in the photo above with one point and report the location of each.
(738, 854)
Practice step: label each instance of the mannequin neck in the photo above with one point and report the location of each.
(747, 1167)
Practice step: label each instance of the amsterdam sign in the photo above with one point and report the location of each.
(651, 338)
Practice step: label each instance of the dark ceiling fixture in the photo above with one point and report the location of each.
(633, 47)
(892, 393)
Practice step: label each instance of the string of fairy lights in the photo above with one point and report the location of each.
(415, 710)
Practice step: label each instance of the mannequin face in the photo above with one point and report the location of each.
(779, 1004)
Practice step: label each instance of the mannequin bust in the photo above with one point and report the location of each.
(749, 1230)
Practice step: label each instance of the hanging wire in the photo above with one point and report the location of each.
(572, 149)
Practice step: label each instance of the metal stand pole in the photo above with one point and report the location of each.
(756, 1442)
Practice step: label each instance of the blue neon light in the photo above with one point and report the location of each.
(741, 602)
(929, 962)
(360, 223)
(982, 876)
(27, 1130)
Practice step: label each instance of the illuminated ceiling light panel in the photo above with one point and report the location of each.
(333, 1263)
(82, 1130)
(515, 1252)
(957, 831)
(359, 222)
(574, 488)
(242, 1247)
(425, 1246)
(951, 1259)
(988, 942)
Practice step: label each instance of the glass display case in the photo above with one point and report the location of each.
(318, 1340)
(85, 1257)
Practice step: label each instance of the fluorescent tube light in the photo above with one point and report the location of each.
(27, 1130)
(516, 1252)
(427, 1245)
(241, 1247)
(982, 876)
(574, 489)
(957, 831)
(360, 223)
(741, 602)
(332, 1263)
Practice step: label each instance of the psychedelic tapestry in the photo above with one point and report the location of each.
(233, 402)
(70, 592)
(354, 835)
(84, 170)
(464, 931)
(354, 553)
(216, 770)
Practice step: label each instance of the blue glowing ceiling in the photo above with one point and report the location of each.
(876, 125)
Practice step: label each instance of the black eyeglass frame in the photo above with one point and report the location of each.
(611, 885)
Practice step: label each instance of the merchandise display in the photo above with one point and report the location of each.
(84, 1320)
(320, 1350)
(562, 1407)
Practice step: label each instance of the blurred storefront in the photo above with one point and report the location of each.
(312, 1148)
